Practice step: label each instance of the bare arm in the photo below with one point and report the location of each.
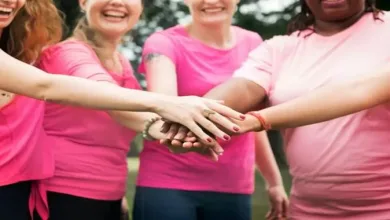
(239, 94)
(332, 101)
(21, 78)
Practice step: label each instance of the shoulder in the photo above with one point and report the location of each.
(244, 34)
(68, 49)
(166, 36)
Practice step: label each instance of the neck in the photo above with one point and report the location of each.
(110, 45)
(217, 36)
(333, 27)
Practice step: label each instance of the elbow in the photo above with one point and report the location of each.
(44, 88)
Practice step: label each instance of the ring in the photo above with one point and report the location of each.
(207, 113)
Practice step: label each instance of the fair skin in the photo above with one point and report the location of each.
(23, 79)
(219, 35)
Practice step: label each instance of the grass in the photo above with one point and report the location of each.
(259, 199)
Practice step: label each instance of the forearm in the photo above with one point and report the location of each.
(331, 102)
(239, 94)
(136, 121)
(24, 79)
(266, 162)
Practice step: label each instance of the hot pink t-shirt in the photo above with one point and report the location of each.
(199, 68)
(24, 156)
(340, 168)
(90, 148)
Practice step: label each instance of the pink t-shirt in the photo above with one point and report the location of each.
(199, 68)
(340, 168)
(24, 156)
(89, 147)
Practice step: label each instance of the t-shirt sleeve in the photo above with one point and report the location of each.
(258, 67)
(256, 40)
(158, 43)
(74, 59)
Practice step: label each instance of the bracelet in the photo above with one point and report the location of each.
(145, 132)
(261, 119)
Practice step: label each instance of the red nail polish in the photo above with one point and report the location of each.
(210, 140)
(226, 137)
(236, 129)
(242, 117)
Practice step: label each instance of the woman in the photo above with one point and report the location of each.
(339, 167)
(190, 60)
(23, 156)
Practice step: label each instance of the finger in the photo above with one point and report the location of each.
(217, 148)
(285, 207)
(190, 134)
(176, 143)
(224, 110)
(197, 144)
(173, 131)
(192, 126)
(187, 145)
(165, 127)
(182, 133)
(224, 122)
(212, 128)
(190, 139)
(165, 141)
(279, 209)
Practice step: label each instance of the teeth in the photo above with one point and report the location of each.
(6, 10)
(213, 10)
(115, 14)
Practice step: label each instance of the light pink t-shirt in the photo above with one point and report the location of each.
(90, 148)
(199, 68)
(340, 168)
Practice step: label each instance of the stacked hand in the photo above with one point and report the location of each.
(180, 140)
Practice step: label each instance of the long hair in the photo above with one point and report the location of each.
(304, 19)
(36, 25)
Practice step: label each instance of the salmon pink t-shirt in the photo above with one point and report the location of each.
(199, 68)
(89, 147)
(340, 168)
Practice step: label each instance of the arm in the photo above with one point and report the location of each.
(332, 101)
(21, 78)
(266, 162)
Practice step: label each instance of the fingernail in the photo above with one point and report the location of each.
(242, 117)
(236, 128)
(210, 140)
(226, 137)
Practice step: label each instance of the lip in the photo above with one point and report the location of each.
(214, 9)
(332, 3)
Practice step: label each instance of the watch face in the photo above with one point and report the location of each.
(5, 98)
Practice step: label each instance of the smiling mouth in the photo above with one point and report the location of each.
(117, 15)
(212, 10)
(5, 11)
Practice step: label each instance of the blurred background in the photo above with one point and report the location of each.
(266, 17)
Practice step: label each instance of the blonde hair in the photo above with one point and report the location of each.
(83, 32)
(37, 25)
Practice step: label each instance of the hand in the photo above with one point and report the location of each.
(279, 203)
(124, 209)
(195, 112)
(191, 143)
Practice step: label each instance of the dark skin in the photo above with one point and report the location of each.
(244, 95)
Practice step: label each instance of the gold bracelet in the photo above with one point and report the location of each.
(145, 132)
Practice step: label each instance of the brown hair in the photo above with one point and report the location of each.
(304, 19)
(37, 25)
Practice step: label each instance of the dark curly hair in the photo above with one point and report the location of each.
(304, 19)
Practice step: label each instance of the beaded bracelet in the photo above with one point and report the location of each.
(145, 132)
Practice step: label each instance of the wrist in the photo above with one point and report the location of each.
(251, 124)
(155, 130)
(149, 132)
(261, 124)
